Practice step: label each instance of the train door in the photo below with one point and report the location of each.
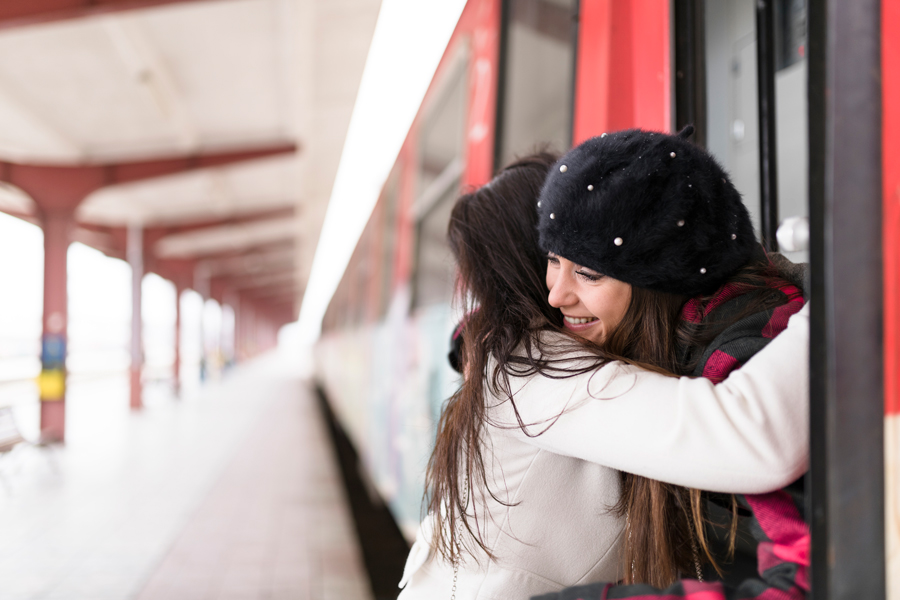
(788, 95)
(537, 62)
(792, 107)
(848, 313)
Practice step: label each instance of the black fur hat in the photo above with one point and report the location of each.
(646, 208)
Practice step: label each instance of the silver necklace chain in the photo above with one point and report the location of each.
(696, 556)
(459, 533)
(694, 550)
(628, 526)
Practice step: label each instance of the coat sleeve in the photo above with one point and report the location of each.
(665, 428)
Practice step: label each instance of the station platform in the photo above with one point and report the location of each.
(232, 491)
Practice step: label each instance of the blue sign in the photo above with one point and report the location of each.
(53, 351)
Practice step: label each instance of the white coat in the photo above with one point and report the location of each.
(748, 434)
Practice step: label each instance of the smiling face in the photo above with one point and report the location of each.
(592, 304)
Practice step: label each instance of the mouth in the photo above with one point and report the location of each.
(578, 323)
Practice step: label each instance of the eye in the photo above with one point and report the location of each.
(589, 276)
(552, 259)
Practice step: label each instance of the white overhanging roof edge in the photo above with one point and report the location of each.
(409, 40)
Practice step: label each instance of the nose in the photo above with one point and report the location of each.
(560, 293)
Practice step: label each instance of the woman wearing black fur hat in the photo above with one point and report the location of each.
(517, 508)
(651, 254)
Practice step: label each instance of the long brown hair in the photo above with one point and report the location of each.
(500, 281)
(665, 525)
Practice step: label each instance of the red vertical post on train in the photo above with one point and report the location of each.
(890, 140)
(484, 71)
(890, 72)
(623, 58)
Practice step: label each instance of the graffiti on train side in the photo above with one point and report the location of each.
(387, 384)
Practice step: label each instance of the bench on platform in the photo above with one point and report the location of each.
(10, 436)
(10, 439)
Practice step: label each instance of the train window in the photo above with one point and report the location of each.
(732, 121)
(388, 202)
(434, 268)
(440, 168)
(791, 112)
(538, 73)
(790, 40)
(734, 98)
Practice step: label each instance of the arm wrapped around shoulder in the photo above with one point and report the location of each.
(748, 434)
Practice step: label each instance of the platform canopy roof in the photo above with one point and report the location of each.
(105, 82)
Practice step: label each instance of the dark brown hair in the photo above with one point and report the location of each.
(500, 279)
(665, 528)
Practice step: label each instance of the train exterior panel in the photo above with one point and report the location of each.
(382, 358)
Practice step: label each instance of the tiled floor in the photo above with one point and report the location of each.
(230, 493)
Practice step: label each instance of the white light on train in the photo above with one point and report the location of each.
(410, 38)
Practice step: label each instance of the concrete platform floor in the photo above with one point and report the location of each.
(232, 492)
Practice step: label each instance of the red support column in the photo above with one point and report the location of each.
(17, 13)
(135, 253)
(52, 382)
(251, 339)
(238, 333)
(176, 364)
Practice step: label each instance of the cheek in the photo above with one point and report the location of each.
(612, 305)
(623, 301)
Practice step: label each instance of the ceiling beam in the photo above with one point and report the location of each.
(225, 238)
(178, 271)
(16, 13)
(103, 241)
(262, 306)
(275, 293)
(285, 212)
(267, 246)
(139, 170)
(277, 313)
(248, 282)
(254, 264)
(63, 187)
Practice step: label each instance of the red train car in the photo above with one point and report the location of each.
(798, 101)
